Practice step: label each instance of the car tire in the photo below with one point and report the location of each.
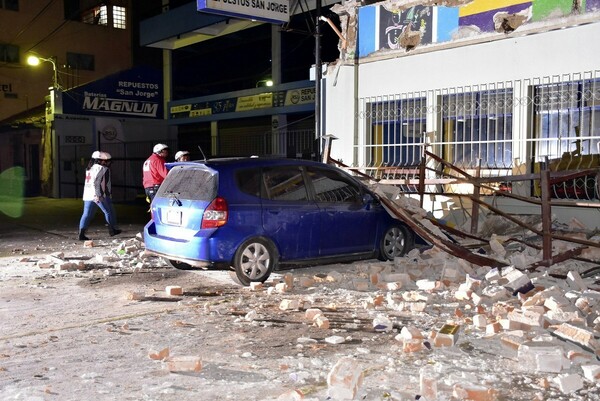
(254, 261)
(396, 241)
(179, 265)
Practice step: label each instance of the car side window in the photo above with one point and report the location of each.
(331, 186)
(285, 183)
(248, 181)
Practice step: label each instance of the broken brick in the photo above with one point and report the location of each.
(174, 290)
(579, 335)
(183, 364)
(474, 392)
(541, 356)
(159, 355)
(569, 383)
(344, 379)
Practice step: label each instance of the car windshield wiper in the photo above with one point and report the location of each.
(174, 198)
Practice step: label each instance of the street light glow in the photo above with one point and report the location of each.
(264, 82)
(33, 60)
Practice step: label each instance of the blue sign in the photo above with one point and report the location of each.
(274, 11)
(136, 92)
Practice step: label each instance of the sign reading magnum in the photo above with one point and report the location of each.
(120, 106)
(275, 11)
(136, 93)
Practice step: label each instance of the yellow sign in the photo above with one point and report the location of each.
(181, 108)
(247, 103)
(200, 112)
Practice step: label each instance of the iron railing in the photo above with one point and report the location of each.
(498, 129)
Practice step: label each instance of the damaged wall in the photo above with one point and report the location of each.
(404, 25)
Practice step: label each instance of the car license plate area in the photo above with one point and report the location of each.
(174, 217)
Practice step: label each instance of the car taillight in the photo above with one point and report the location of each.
(215, 214)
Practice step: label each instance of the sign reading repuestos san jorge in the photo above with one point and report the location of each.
(274, 11)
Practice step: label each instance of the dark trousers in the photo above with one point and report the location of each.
(151, 192)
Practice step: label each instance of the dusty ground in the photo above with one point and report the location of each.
(75, 335)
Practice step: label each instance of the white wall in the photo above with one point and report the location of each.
(493, 58)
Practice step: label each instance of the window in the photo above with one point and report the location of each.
(285, 184)
(331, 187)
(186, 182)
(119, 17)
(96, 16)
(77, 61)
(567, 135)
(397, 131)
(478, 125)
(9, 53)
(10, 4)
(248, 181)
(565, 115)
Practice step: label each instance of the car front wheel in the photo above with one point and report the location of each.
(396, 241)
(254, 261)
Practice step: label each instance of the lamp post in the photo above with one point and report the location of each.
(35, 60)
(50, 170)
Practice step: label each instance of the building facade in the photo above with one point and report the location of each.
(78, 41)
(510, 87)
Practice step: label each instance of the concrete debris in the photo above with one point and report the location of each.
(426, 312)
(344, 379)
(128, 256)
(183, 364)
(508, 22)
(159, 355)
(410, 39)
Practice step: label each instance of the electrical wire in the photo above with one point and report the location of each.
(28, 25)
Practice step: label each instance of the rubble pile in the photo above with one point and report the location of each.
(544, 330)
(428, 325)
(118, 257)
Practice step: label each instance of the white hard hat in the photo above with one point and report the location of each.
(96, 155)
(104, 156)
(181, 153)
(158, 147)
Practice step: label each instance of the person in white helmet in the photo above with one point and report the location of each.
(97, 194)
(154, 170)
(182, 156)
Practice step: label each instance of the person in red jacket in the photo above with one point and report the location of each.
(154, 170)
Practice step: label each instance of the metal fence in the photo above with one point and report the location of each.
(280, 143)
(503, 128)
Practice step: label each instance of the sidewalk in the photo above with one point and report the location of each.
(48, 219)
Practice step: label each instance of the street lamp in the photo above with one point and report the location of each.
(264, 82)
(35, 60)
(50, 173)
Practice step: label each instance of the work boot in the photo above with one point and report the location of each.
(113, 231)
(82, 236)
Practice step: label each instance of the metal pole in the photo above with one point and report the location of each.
(318, 74)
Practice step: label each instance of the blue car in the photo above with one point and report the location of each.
(256, 215)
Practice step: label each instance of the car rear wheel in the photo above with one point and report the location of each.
(396, 241)
(254, 261)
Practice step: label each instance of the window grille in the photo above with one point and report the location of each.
(119, 17)
(478, 126)
(95, 16)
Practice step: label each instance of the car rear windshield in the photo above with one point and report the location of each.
(189, 183)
